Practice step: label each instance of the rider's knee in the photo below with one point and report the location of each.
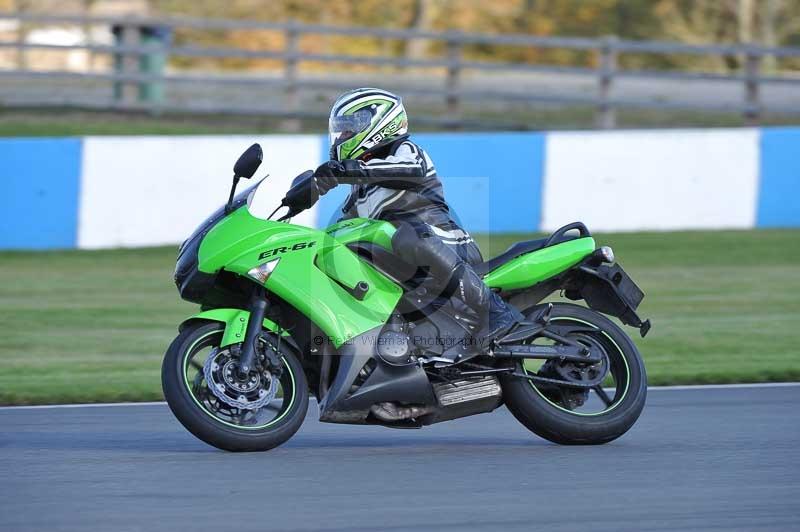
(410, 241)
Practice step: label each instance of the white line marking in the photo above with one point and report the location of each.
(724, 386)
(649, 388)
(82, 405)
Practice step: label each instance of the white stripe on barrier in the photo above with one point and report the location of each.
(651, 180)
(147, 191)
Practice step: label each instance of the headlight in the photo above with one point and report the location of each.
(262, 272)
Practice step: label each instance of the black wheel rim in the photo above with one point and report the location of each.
(270, 415)
(600, 399)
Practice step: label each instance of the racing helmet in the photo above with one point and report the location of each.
(364, 119)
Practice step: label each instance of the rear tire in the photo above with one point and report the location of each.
(560, 425)
(202, 422)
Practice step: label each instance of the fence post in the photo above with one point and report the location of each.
(291, 49)
(22, 63)
(452, 83)
(752, 107)
(126, 64)
(605, 114)
(152, 64)
(22, 36)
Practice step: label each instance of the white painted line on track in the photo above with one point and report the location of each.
(724, 386)
(649, 388)
(82, 405)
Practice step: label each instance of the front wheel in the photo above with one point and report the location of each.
(575, 415)
(233, 412)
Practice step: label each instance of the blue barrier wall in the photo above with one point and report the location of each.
(66, 193)
(492, 181)
(779, 191)
(40, 187)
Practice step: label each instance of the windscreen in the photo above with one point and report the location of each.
(219, 214)
(261, 201)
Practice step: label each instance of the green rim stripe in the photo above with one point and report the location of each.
(212, 416)
(627, 373)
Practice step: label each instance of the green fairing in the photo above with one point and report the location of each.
(531, 268)
(314, 273)
(235, 321)
(363, 230)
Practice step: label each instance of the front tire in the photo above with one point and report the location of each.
(214, 421)
(557, 420)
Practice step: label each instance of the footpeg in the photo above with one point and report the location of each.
(437, 361)
(543, 317)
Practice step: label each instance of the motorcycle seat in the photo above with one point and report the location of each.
(527, 246)
(520, 248)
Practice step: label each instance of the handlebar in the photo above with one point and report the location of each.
(302, 195)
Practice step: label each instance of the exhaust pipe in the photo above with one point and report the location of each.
(392, 412)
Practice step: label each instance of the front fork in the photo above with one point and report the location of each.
(258, 309)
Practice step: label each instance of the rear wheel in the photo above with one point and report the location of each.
(574, 415)
(253, 413)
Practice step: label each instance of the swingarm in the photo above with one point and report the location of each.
(565, 350)
(563, 353)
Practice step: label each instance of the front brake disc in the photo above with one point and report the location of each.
(252, 393)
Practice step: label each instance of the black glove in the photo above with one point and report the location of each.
(327, 176)
(352, 173)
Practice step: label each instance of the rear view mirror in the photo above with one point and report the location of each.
(299, 179)
(248, 162)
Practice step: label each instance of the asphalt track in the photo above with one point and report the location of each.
(702, 459)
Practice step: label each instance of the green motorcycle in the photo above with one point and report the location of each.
(288, 311)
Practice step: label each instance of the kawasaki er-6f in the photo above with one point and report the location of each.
(289, 311)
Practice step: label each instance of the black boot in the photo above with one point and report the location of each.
(501, 319)
(498, 317)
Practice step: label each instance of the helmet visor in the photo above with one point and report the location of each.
(345, 127)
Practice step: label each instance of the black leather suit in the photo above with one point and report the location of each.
(398, 183)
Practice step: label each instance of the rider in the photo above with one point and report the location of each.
(394, 179)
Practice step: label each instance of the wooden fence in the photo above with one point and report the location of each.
(142, 47)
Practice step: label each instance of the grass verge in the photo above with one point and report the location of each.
(72, 122)
(92, 326)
